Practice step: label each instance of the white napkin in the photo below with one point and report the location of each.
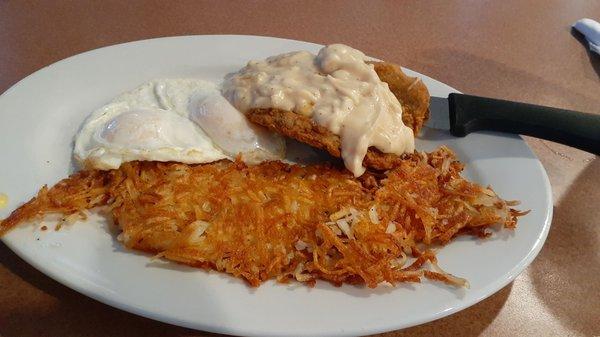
(591, 30)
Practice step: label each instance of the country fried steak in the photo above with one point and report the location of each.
(410, 91)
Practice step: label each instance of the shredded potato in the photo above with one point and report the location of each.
(287, 222)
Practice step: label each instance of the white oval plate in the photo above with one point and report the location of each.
(40, 115)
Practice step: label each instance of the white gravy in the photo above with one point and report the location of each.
(337, 89)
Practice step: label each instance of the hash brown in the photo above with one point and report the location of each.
(286, 222)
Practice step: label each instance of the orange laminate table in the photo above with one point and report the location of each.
(514, 49)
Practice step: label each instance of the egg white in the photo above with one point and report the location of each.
(163, 120)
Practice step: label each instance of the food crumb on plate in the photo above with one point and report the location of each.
(3, 200)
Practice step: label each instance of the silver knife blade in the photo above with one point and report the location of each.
(439, 113)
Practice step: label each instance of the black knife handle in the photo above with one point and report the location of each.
(472, 113)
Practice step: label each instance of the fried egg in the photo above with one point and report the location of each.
(182, 120)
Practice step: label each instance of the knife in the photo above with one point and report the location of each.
(469, 113)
